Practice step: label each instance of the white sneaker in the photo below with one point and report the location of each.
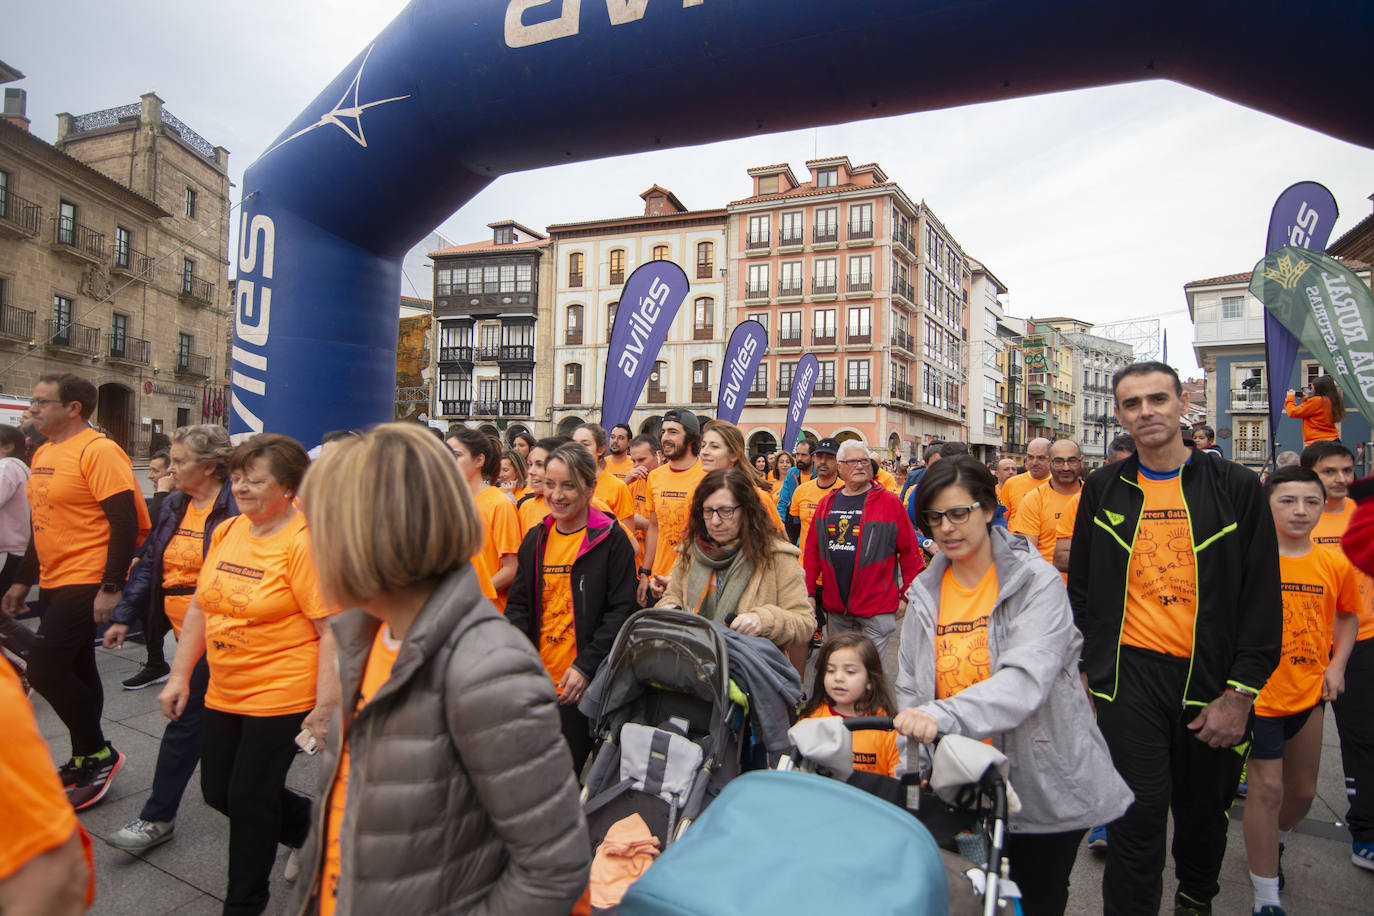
(292, 868)
(140, 834)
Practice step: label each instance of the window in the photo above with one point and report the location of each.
(825, 381)
(1232, 307)
(507, 278)
(706, 260)
(573, 325)
(121, 252)
(758, 282)
(191, 202)
(66, 223)
(524, 278)
(517, 392)
(455, 392)
(488, 392)
(827, 178)
(491, 279)
(860, 272)
(575, 269)
(460, 280)
(786, 373)
(454, 339)
(184, 344)
(823, 280)
(660, 253)
(188, 273)
(860, 325)
(758, 388)
(4, 194)
(768, 184)
(611, 309)
(701, 380)
(504, 235)
(517, 334)
(757, 235)
(789, 329)
(823, 327)
(760, 317)
(704, 318)
(572, 383)
(62, 320)
(119, 335)
(861, 221)
(443, 279)
(658, 383)
(827, 223)
(617, 263)
(790, 279)
(490, 339)
(792, 228)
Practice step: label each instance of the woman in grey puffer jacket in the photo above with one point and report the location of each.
(454, 791)
(989, 651)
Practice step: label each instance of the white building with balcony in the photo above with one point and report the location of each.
(987, 380)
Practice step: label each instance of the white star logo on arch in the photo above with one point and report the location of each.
(345, 116)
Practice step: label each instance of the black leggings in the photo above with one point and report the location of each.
(62, 663)
(243, 766)
(1040, 865)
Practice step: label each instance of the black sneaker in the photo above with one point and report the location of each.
(69, 772)
(147, 676)
(94, 773)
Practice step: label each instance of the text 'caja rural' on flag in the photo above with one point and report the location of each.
(648, 305)
(743, 353)
(1329, 310)
(803, 383)
(1303, 216)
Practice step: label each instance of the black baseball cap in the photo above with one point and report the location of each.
(827, 447)
(686, 419)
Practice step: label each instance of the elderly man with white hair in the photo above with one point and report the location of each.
(863, 549)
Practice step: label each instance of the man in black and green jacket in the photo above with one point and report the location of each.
(1174, 583)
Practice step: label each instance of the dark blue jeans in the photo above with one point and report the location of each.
(179, 752)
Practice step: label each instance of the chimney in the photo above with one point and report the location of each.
(16, 107)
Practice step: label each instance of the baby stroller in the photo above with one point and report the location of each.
(668, 729)
(960, 794)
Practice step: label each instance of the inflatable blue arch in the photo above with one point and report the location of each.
(454, 93)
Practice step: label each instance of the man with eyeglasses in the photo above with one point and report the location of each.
(1040, 510)
(1036, 473)
(863, 550)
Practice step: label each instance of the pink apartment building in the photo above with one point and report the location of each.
(847, 266)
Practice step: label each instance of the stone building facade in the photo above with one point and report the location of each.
(114, 266)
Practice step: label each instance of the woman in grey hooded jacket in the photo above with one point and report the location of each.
(446, 786)
(989, 651)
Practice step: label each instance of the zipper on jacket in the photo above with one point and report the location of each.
(1125, 592)
(1197, 593)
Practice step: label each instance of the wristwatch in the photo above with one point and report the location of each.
(644, 570)
(109, 588)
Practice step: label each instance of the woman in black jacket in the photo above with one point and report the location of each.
(163, 579)
(574, 586)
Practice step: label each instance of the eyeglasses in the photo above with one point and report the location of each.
(1065, 462)
(853, 461)
(957, 515)
(39, 402)
(724, 513)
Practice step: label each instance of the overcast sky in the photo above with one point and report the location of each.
(1100, 204)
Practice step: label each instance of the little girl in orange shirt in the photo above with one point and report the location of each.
(850, 682)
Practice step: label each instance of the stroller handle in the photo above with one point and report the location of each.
(867, 723)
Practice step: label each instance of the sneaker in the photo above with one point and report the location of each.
(146, 677)
(1242, 788)
(94, 773)
(1097, 837)
(140, 834)
(1186, 906)
(1271, 910)
(1362, 855)
(292, 868)
(817, 638)
(69, 772)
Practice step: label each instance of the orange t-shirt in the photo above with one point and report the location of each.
(181, 562)
(805, 498)
(1330, 528)
(1015, 490)
(639, 493)
(260, 597)
(1161, 591)
(557, 634)
(501, 535)
(619, 466)
(1315, 413)
(1039, 515)
(669, 496)
(38, 816)
(874, 751)
(961, 633)
(531, 510)
(1314, 587)
(612, 491)
(66, 484)
(379, 664)
(887, 481)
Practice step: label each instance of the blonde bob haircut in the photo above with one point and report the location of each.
(388, 511)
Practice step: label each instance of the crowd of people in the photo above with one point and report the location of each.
(428, 609)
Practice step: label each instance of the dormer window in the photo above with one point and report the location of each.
(827, 178)
(504, 235)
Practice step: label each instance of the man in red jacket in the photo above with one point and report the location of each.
(859, 539)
